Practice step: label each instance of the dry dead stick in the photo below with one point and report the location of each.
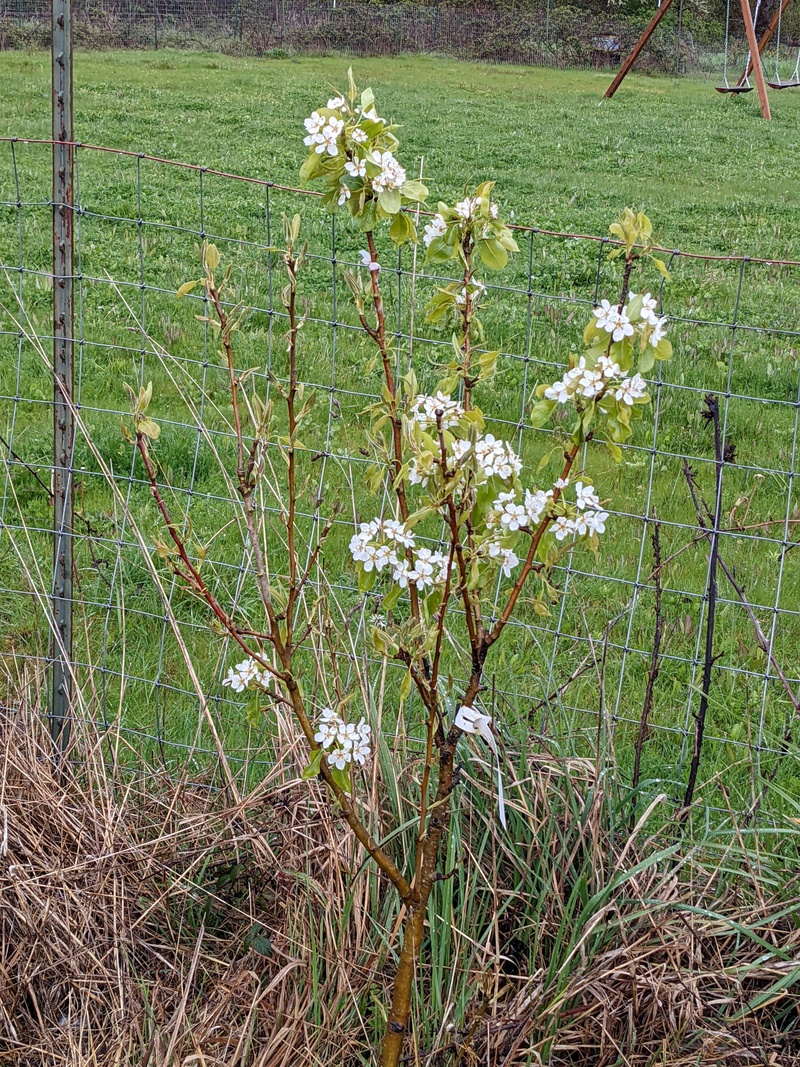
(712, 415)
(655, 665)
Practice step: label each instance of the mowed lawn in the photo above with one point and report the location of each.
(713, 176)
(709, 170)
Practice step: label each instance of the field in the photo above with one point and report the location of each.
(712, 175)
(251, 932)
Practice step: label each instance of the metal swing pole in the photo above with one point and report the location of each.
(647, 33)
(63, 375)
(755, 57)
(766, 37)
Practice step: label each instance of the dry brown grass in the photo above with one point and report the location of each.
(126, 902)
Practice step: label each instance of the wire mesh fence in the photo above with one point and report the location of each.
(575, 678)
(545, 34)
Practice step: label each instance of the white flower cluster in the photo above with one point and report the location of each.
(496, 457)
(510, 515)
(618, 323)
(506, 557)
(245, 675)
(323, 133)
(392, 175)
(425, 408)
(591, 519)
(469, 207)
(476, 291)
(590, 382)
(351, 741)
(435, 228)
(375, 546)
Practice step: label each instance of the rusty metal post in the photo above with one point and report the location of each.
(63, 375)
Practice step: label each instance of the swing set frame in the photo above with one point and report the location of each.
(756, 47)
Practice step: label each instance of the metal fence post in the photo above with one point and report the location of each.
(63, 373)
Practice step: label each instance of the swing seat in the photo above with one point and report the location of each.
(784, 85)
(734, 88)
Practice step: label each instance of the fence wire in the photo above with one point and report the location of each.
(541, 34)
(561, 681)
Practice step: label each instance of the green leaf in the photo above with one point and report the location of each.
(311, 168)
(663, 349)
(391, 598)
(312, 768)
(252, 712)
(366, 580)
(661, 267)
(186, 288)
(257, 940)
(149, 429)
(541, 412)
(405, 687)
(342, 779)
(415, 190)
(493, 254)
(390, 201)
(614, 451)
(402, 229)
(647, 360)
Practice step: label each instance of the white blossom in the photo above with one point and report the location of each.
(244, 675)
(596, 521)
(435, 228)
(613, 321)
(416, 476)
(329, 138)
(493, 211)
(337, 103)
(422, 572)
(396, 531)
(497, 457)
(356, 168)
(314, 125)
(580, 527)
(392, 175)
(560, 391)
(562, 527)
(659, 331)
(606, 316)
(424, 411)
(536, 504)
(372, 116)
(465, 209)
(359, 136)
(648, 312)
(585, 497)
(631, 389)
(344, 194)
(352, 740)
(591, 383)
(561, 483)
(476, 291)
(608, 368)
(460, 449)
(507, 557)
(326, 733)
(512, 516)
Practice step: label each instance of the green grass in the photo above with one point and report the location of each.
(712, 175)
